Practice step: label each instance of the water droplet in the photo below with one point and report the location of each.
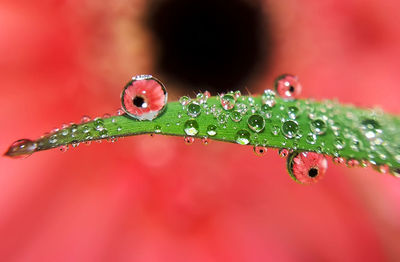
(311, 138)
(64, 148)
(120, 112)
(205, 140)
(157, 129)
(288, 87)
(241, 108)
(207, 95)
(85, 119)
(21, 148)
(191, 127)
(338, 160)
(236, 116)
(227, 101)
(283, 152)
(184, 100)
(106, 115)
(53, 139)
(86, 129)
(256, 123)
(318, 126)
(339, 143)
(275, 130)
(237, 94)
(306, 167)
(260, 150)
(222, 118)
(242, 137)
(188, 140)
(290, 128)
(212, 130)
(292, 112)
(193, 110)
(144, 98)
(99, 124)
(268, 98)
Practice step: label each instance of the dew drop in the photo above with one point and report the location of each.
(193, 110)
(283, 152)
(205, 140)
(227, 101)
(236, 116)
(292, 112)
(338, 160)
(241, 108)
(120, 112)
(268, 98)
(318, 126)
(259, 150)
(242, 137)
(184, 100)
(188, 140)
(237, 94)
(311, 138)
(288, 87)
(191, 127)
(339, 143)
(306, 167)
(290, 128)
(85, 119)
(21, 148)
(352, 163)
(64, 148)
(256, 123)
(212, 130)
(157, 129)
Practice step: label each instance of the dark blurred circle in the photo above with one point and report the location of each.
(218, 45)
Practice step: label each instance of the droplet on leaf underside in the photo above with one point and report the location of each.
(306, 167)
(144, 98)
(260, 150)
(288, 87)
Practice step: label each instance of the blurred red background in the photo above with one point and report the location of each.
(157, 199)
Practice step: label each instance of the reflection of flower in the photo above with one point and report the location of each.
(143, 97)
(309, 167)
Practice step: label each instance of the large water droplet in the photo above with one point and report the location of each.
(290, 128)
(227, 101)
(318, 126)
(191, 127)
(184, 100)
(256, 123)
(306, 167)
(236, 116)
(21, 148)
(193, 109)
(242, 137)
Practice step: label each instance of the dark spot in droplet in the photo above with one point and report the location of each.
(313, 172)
(213, 44)
(291, 89)
(138, 101)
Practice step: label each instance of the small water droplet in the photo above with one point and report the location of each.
(237, 94)
(227, 101)
(259, 150)
(339, 143)
(288, 87)
(85, 119)
(236, 116)
(193, 110)
(212, 130)
(184, 100)
(205, 140)
(338, 160)
(290, 128)
(191, 127)
(311, 138)
(188, 140)
(106, 115)
(157, 129)
(283, 152)
(64, 148)
(275, 130)
(120, 112)
(292, 112)
(256, 123)
(268, 98)
(318, 126)
(242, 137)
(352, 163)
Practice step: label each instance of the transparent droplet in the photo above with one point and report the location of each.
(227, 101)
(275, 130)
(99, 124)
(339, 143)
(191, 127)
(292, 112)
(256, 123)
(259, 150)
(193, 110)
(352, 163)
(85, 119)
(236, 116)
(157, 129)
(63, 148)
(86, 129)
(283, 152)
(237, 94)
(290, 128)
(338, 160)
(288, 87)
(268, 98)
(222, 118)
(241, 108)
(318, 126)
(188, 140)
(21, 148)
(242, 137)
(311, 138)
(212, 130)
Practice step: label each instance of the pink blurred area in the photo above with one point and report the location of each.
(157, 199)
